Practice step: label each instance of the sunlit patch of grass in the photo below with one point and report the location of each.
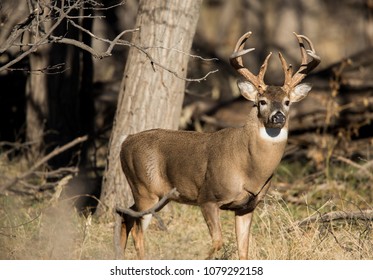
(43, 231)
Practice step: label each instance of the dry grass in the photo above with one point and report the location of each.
(44, 231)
(59, 232)
(50, 228)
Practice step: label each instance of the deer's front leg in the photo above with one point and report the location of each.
(211, 214)
(243, 224)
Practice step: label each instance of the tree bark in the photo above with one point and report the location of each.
(150, 96)
(37, 101)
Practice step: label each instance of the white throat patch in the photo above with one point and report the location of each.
(273, 134)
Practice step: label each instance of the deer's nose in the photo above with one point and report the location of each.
(278, 118)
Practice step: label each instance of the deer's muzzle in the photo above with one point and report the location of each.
(277, 120)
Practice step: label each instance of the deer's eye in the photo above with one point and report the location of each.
(287, 103)
(262, 102)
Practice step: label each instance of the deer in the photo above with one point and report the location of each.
(229, 169)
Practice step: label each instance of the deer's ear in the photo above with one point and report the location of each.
(248, 90)
(300, 92)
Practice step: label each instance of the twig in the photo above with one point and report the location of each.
(109, 7)
(116, 39)
(49, 38)
(17, 31)
(111, 43)
(184, 53)
(162, 202)
(154, 62)
(95, 54)
(366, 215)
(42, 161)
(354, 164)
(50, 69)
(85, 195)
(78, 44)
(42, 40)
(58, 172)
(23, 224)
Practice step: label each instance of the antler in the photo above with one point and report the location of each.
(236, 61)
(306, 67)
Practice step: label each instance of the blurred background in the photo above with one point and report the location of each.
(340, 104)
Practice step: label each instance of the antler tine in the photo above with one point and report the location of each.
(236, 56)
(305, 67)
(288, 70)
(263, 68)
(312, 53)
(236, 61)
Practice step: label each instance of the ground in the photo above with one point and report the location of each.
(51, 228)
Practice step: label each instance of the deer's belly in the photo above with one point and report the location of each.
(245, 202)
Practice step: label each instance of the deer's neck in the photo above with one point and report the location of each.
(264, 143)
(258, 135)
(266, 147)
(273, 135)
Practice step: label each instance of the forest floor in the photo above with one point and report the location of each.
(50, 227)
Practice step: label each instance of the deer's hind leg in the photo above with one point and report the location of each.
(139, 225)
(123, 226)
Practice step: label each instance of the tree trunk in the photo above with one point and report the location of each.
(37, 92)
(150, 97)
(59, 100)
(37, 101)
(70, 98)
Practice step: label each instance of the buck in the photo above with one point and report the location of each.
(230, 169)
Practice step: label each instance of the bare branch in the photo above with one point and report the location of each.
(42, 161)
(185, 53)
(78, 44)
(362, 168)
(109, 7)
(81, 45)
(116, 40)
(64, 14)
(51, 69)
(42, 40)
(154, 62)
(57, 173)
(17, 31)
(153, 210)
(365, 215)
(22, 224)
